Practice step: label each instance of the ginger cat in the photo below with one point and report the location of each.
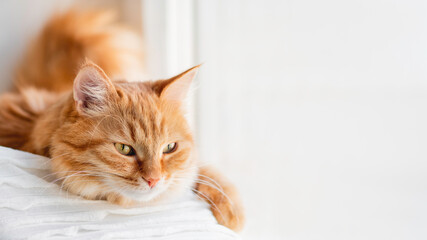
(125, 142)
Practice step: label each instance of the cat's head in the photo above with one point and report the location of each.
(123, 139)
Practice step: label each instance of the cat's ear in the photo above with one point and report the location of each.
(91, 89)
(176, 88)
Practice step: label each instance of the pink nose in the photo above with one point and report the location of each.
(152, 182)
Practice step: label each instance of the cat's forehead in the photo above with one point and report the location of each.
(138, 106)
(138, 100)
(131, 88)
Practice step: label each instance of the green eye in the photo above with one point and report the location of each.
(171, 147)
(124, 149)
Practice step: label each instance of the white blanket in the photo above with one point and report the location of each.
(32, 207)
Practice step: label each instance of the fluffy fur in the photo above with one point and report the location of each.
(55, 56)
(76, 119)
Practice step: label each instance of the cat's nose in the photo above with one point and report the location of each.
(152, 182)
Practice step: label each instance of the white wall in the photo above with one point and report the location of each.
(317, 110)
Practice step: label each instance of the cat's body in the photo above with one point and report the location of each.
(127, 143)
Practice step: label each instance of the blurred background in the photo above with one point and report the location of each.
(315, 109)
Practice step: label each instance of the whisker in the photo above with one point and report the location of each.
(214, 182)
(221, 190)
(206, 198)
(211, 202)
(58, 172)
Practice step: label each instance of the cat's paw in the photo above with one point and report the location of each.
(225, 205)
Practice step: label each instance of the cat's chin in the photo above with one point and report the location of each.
(142, 195)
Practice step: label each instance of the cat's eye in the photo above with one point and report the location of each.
(170, 148)
(124, 149)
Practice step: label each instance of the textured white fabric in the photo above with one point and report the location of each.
(32, 207)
